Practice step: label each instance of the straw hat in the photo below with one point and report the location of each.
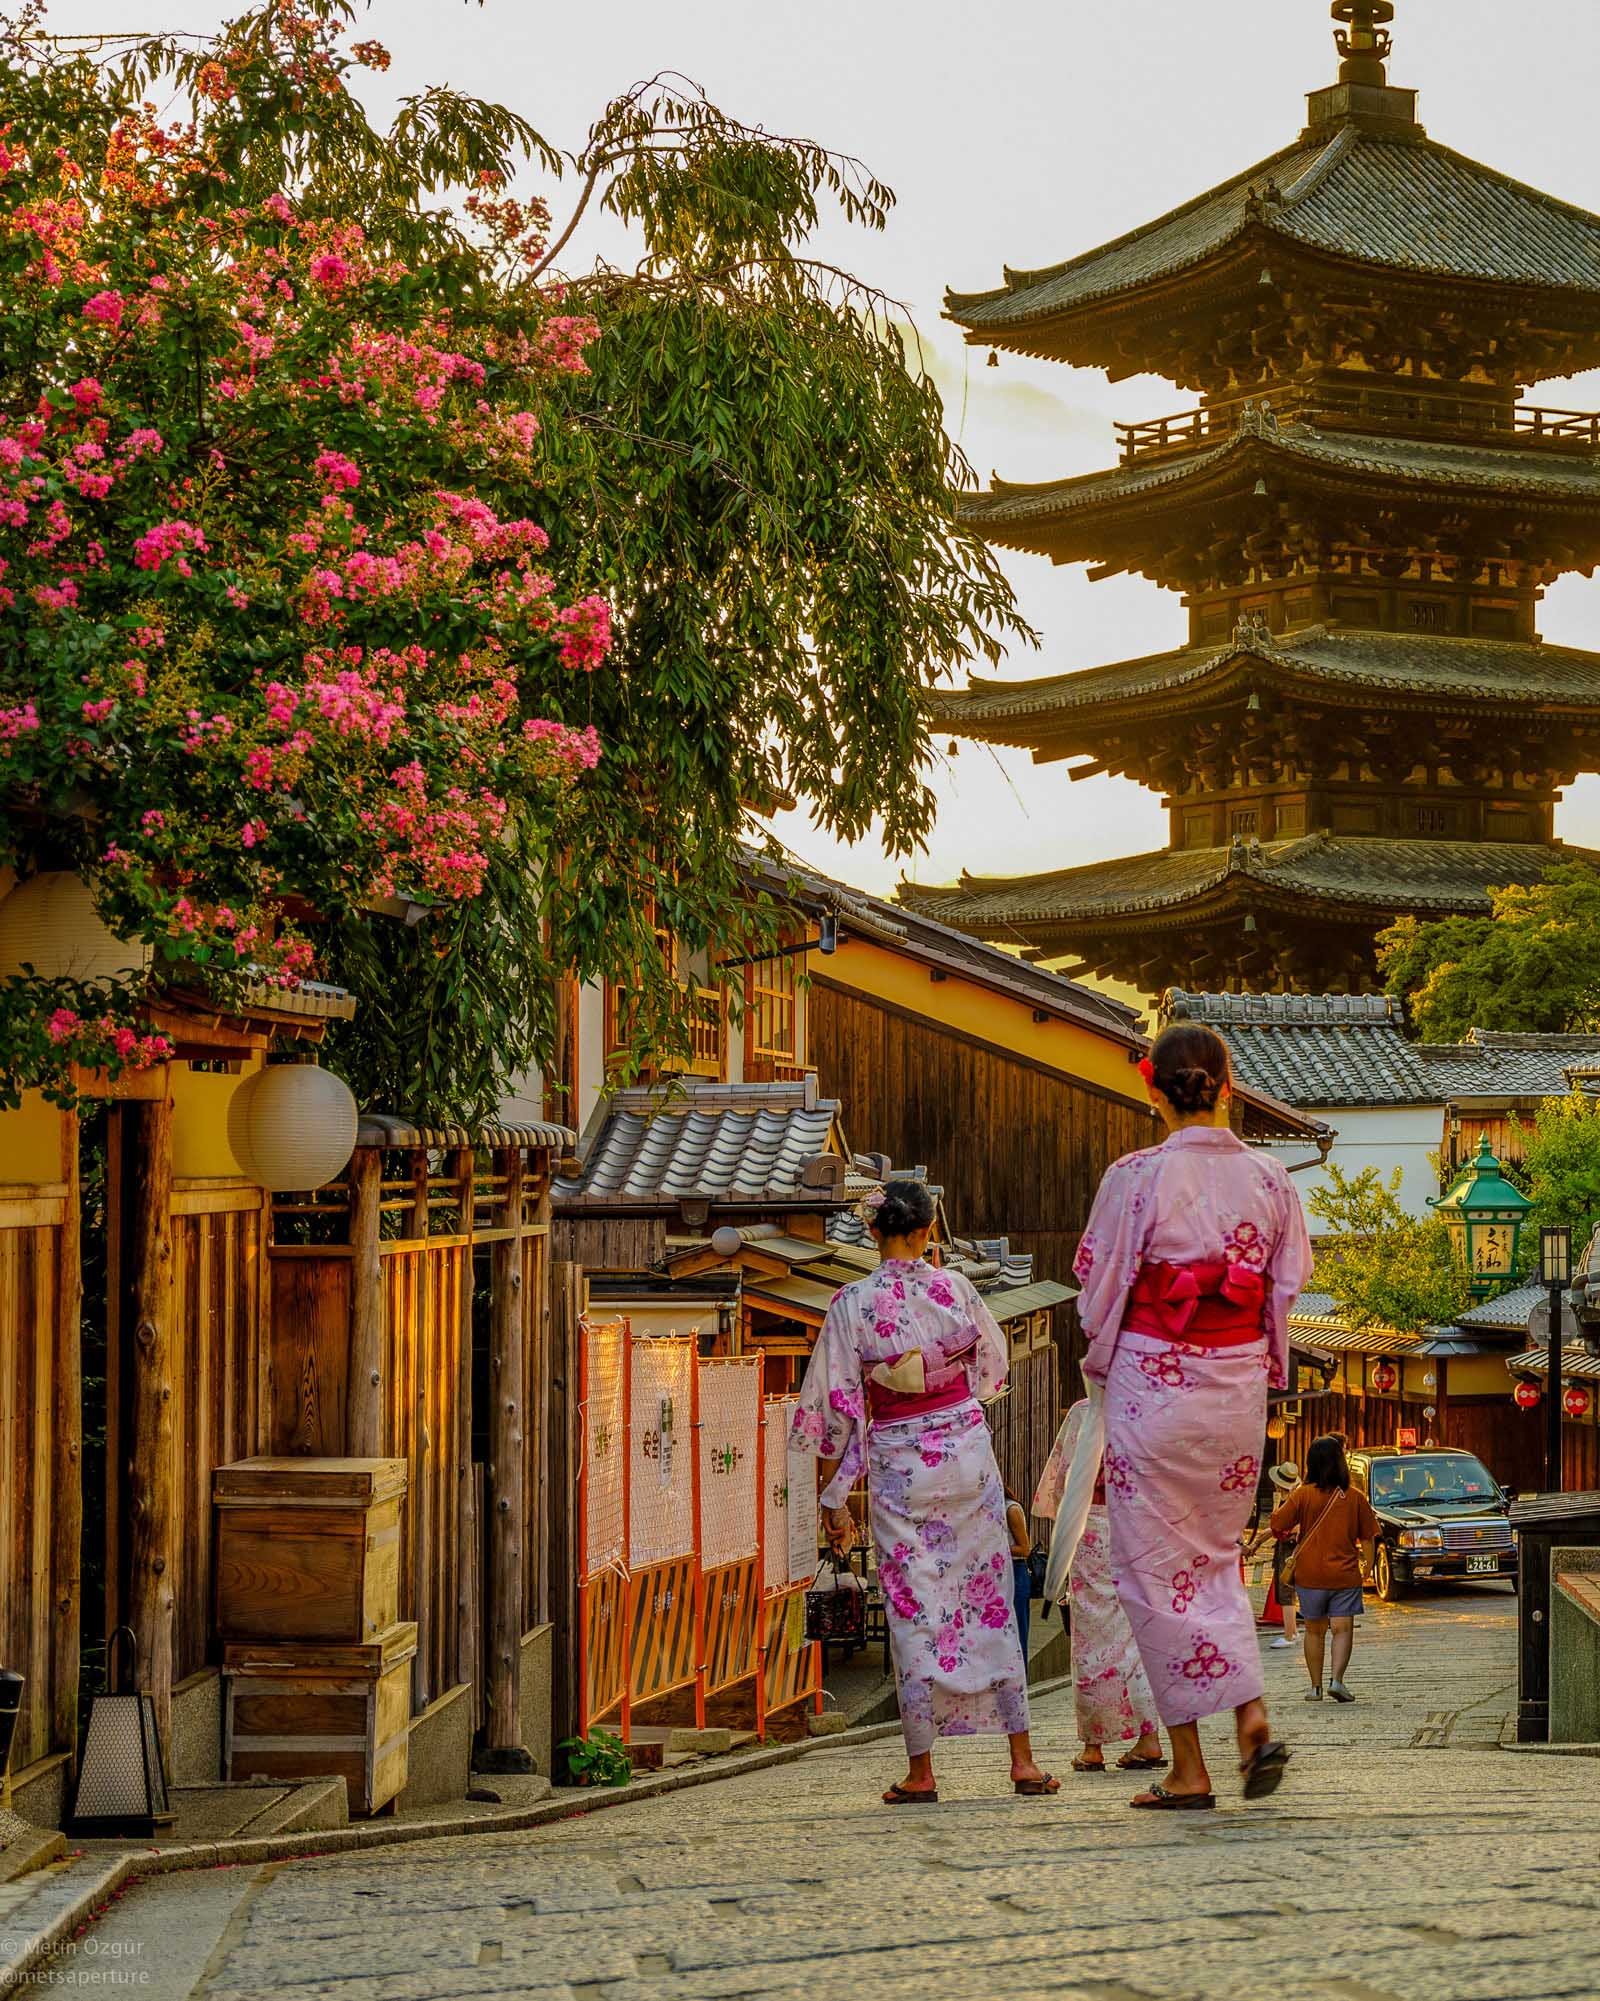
(1285, 1475)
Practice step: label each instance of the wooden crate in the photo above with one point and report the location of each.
(308, 1549)
(309, 1712)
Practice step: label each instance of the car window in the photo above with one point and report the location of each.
(1431, 1479)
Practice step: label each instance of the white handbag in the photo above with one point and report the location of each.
(1083, 1476)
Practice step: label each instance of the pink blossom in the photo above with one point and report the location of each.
(17, 722)
(87, 393)
(277, 206)
(96, 712)
(253, 832)
(108, 307)
(586, 640)
(62, 1025)
(335, 470)
(153, 820)
(165, 542)
(329, 270)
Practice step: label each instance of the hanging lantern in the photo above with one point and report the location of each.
(1276, 1428)
(122, 1783)
(50, 923)
(1485, 1214)
(1525, 1396)
(1384, 1377)
(1575, 1400)
(292, 1126)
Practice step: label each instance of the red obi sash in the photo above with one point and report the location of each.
(1208, 1305)
(891, 1407)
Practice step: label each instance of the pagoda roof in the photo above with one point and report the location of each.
(1396, 202)
(1360, 875)
(1344, 666)
(1040, 517)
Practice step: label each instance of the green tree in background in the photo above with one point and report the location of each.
(1382, 1267)
(1560, 1169)
(1531, 967)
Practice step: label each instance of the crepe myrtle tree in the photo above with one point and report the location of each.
(366, 549)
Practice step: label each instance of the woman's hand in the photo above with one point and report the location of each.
(840, 1525)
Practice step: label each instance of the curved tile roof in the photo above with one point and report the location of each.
(1481, 671)
(1365, 872)
(1403, 204)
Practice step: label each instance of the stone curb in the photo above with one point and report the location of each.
(83, 1898)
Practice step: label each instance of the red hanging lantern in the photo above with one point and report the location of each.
(1575, 1401)
(1526, 1395)
(1385, 1376)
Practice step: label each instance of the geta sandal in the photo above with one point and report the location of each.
(899, 1795)
(1158, 1798)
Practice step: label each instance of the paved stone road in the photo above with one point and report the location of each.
(1406, 1859)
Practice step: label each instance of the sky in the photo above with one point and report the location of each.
(1021, 133)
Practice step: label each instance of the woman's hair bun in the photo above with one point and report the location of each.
(1190, 1067)
(906, 1207)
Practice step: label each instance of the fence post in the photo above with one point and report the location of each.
(66, 1505)
(364, 1397)
(563, 1522)
(153, 1454)
(507, 1525)
(463, 1165)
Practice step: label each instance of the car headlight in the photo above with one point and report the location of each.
(1421, 1539)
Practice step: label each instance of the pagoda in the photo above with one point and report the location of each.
(1361, 513)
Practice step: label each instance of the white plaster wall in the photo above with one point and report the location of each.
(1384, 1138)
(591, 1051)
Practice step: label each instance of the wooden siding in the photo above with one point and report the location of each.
(1025, 1421)
(31, 1288)
(1018, 1149)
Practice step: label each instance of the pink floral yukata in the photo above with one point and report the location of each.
(938, 1507)
(1110, 1690)
(1185, 1422)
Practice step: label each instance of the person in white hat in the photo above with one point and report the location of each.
(1285, 1477)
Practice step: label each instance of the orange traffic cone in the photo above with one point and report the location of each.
(1271, 1611)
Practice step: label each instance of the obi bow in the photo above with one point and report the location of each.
(1174, 1292)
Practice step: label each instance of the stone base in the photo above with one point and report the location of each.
(195, 1753)
(439, 1752)
(533, 1697)
(1574, 1654)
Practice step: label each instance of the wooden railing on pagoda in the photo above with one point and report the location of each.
(1461, 419)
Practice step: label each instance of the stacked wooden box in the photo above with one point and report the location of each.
(316, 1661)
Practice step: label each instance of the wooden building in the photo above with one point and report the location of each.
(1360, 513)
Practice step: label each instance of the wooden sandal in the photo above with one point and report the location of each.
(1129, 1763)
(1036, 1788)
(1263, 1770)
(899, 1795)
(1159, 1799)
(1081, 1764)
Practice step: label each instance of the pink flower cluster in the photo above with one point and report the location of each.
(165, 543)
(585, 634)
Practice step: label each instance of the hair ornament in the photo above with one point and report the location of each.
(1147, 1070)
(871, 1203)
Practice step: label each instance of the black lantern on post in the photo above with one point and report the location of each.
(1555, 1274)
(1485, 1213)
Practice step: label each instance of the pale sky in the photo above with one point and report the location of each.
(1023, 133)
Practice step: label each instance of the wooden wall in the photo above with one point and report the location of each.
(1508, 1441)
(1025, 1421)
(1018, 1149)
(33, 1288)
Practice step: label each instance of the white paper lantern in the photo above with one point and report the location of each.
(292, 1126)
(50, 923)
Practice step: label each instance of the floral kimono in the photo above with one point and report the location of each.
(1195, 1251)
(1110, 1689)
(893, 1385)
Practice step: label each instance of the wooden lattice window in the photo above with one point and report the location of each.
(774, 1019)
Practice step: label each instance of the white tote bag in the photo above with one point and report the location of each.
(1087, 1422)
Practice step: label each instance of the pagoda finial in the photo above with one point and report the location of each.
(1365, 42)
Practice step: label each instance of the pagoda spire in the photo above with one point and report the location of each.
(1365, 42)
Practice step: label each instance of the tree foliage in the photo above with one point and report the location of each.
(1382, 1267)
(698, 542)
(1560, 1169)
(1533, 966)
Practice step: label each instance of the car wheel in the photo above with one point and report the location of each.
(1387, 1584)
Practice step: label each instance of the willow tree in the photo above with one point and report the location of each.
(559, 569)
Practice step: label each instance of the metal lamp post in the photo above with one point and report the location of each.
(1555, 1273)
(1486, 1214)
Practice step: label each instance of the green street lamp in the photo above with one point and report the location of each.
(1485, 1214)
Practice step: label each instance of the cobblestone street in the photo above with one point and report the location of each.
(1406, 1859)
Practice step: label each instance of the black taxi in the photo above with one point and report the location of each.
(1443, 1518)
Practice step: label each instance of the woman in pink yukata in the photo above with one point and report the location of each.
(1195, 1251)
(893, 1384)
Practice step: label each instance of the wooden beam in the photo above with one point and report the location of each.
(561, 1522)
(462, 1168)
(153, 1453)
(507, 1496)
(364, 1412)
(66, 1515)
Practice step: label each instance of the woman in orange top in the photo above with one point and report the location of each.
(1337, 1530)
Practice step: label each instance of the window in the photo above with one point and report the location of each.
(1435, 820)
(1243, 821)
(773, 1025)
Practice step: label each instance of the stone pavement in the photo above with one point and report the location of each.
(1405, 1859)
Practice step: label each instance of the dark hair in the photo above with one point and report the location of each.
(907, 1206)
(1191, 1066)
(1325, 1465)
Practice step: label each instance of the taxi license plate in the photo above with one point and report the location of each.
(1478, 1564)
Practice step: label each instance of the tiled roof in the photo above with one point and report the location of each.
(1317, 1049)
(1408, 205)
(722, 1143)
(1363, 871)
(1429, 466)
(923, 937)
(1486, 673)
(1532, 1066)
(383, 1129)
(1576, 1364)
(1508, 1314)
